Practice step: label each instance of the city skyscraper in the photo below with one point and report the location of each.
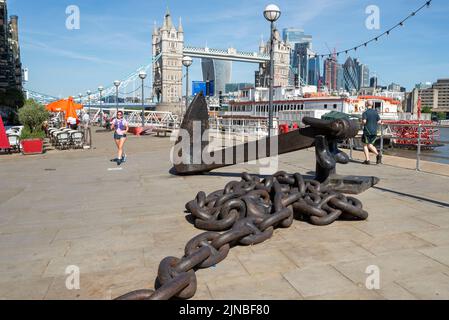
(295, 35)
(301, 50)
(10, 62)
(364, 76)
(351, 75)
(314, 71)
(330, 75)
(301, 60)
(219, 71)
(356, 75)
(340, 78)
(373, 82)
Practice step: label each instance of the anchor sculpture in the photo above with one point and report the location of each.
(324, 135)
(246, 212)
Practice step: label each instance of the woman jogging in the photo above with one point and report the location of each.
(120, 127)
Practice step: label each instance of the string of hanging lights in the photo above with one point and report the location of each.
(377, 38)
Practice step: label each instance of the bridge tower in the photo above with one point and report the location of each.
(281, 62)
(168, 47)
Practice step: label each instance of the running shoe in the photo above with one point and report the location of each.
(379, 159)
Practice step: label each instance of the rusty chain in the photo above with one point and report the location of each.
(245, 213)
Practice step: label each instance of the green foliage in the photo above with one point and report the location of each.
(441, 115)
(426, 110)
(32, 116)
(12, 98)
(27, 134)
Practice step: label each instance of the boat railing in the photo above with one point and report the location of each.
(419, 135)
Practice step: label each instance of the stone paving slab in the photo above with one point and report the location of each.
(118, 225)
(319, 281)
(393, 266)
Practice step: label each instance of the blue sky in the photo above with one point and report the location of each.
(115, 37)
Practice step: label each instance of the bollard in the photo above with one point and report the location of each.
(381, 142)
(418, 150)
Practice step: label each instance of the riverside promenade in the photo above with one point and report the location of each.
(75, 208)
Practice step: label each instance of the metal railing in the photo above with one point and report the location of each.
(158, 119)
(428, 140)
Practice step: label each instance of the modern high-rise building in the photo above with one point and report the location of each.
(364, 76)
(340, 78)
(302, 55)
(442, 87)
(435, 97)
(356, 75)
(394, 87)
(373, 82)
(330, 75)
(314, 71)
(301, 51)
(351, 75)
(219, 71)
(10, 64)
(295, 35)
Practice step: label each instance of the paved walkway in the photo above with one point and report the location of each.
(69, 208)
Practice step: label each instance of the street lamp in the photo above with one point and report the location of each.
(117, 84)
(143, 75)
(272, 13)
(100, 89)
(80, 95)
(187, 62)
(88, 99)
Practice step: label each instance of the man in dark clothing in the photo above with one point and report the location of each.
(371, 120)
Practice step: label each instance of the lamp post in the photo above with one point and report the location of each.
(100, 89)
(272, 13)
(80, 95)
(88, 99)
(187, 62)
(117, 84)
(143, 75)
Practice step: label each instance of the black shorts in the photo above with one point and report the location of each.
(369, 138)
(119, 136)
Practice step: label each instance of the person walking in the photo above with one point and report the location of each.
(371, 121)
(121, 128)
(85, 121)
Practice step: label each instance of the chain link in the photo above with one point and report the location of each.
(246, 212)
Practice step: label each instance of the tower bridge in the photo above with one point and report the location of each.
(230, 54)
(167, 69)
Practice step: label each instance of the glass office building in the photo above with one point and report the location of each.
(219, 71)
(351, 75)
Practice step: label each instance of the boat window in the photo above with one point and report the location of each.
(335, 106)
(325, 106)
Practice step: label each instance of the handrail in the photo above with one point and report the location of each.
(419, 140)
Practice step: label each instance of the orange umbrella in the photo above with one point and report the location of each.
(68, 106)
(57, 106)
(71, 110)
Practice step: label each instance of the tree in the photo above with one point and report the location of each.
(33, 115)
(426, 110)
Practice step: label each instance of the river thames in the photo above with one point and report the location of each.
(427, 155)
